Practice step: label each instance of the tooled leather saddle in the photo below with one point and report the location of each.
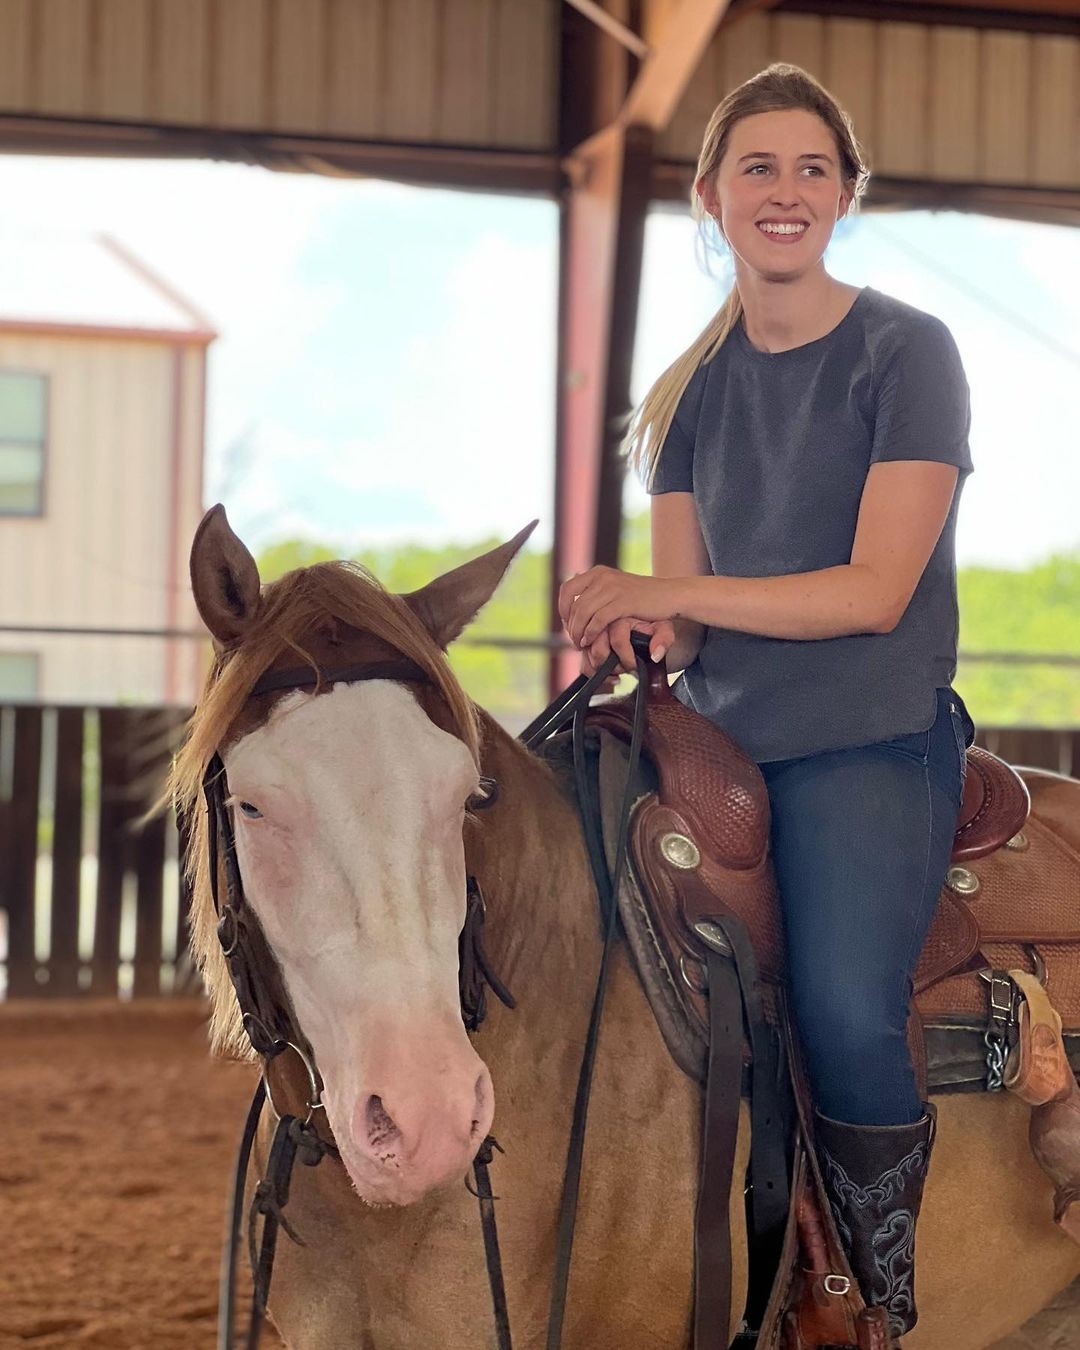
(704, 834)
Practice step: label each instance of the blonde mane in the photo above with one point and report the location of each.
(291, 611)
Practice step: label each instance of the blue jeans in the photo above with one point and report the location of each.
(861, 840)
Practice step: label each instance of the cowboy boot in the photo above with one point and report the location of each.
(874, 1177)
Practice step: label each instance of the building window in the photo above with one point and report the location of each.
(23, 419)
(18, 677)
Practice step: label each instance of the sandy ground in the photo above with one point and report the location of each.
(118, 1137)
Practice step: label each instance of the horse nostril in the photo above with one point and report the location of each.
(479, 1103)
(382, 1131)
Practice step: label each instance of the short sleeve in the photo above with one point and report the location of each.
(921, 405)
(675, 466)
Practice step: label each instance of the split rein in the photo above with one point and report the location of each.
(269, 1024)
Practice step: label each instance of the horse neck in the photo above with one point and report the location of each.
(528, 855)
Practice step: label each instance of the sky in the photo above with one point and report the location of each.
(386, 362)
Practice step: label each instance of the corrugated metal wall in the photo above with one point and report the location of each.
(947, 104)
(462, 72)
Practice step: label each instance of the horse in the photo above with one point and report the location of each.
(355, 808)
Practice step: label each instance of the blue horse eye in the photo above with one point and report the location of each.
(252, 812)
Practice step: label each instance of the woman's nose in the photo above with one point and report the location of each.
(785, 194)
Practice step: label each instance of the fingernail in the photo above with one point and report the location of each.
(660, 653)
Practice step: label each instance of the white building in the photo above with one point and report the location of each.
(102, 413)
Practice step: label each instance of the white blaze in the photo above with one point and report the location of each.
(356, 871)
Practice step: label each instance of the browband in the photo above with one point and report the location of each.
(303, 676)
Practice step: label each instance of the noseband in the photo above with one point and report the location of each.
(272, 1029)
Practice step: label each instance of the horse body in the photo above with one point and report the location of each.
(366, 955)
(416, 1276)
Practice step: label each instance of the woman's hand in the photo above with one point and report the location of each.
(592, 601)
(616, 638)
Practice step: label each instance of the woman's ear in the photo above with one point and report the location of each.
(705, 188)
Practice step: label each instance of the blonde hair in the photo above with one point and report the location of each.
(291, 611)
(778, 88)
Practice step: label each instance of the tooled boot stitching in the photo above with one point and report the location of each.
(878, 1233)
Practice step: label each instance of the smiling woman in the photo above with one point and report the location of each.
(806, 456)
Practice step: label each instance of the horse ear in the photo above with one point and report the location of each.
(448, 604)
(224, 578)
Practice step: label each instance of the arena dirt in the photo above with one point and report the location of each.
(117, 1133)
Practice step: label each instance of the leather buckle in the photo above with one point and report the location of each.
(837, 1285)
(713, 936)
(1002, 995)
(228, 931)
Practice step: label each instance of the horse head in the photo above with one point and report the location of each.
(347, 801)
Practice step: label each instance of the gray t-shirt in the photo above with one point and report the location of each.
(775, 448)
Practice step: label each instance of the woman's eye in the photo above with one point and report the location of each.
(252, 812)
(754, 167)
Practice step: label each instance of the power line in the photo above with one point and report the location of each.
(981, 297)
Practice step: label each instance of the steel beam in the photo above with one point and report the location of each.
(611, 116)
(602, 231)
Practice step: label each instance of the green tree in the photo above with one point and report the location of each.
(1035, 611)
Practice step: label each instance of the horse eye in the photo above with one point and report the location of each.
(485, 794)
(252, 812)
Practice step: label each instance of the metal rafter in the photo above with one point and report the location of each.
(618, 30)
(668, 69)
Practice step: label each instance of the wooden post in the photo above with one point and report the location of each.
(114, 846)
(149, 871)
(21, 851)
(67, 853)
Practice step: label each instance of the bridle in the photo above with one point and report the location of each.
(272, 1030)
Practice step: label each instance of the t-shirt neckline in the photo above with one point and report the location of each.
(793, 353)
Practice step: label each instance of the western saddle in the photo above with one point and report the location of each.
(700, 850)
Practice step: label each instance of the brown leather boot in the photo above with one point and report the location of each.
(874, 1177)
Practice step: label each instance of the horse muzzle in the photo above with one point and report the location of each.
(410, 1133)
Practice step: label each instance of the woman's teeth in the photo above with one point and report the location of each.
(782, 229)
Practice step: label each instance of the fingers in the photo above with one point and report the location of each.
(566, 600)
(594, 656)
(618, 635)
(663, 637)
(570, 591)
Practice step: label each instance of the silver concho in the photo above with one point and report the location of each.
(680, 852)
(1018, 843)
(963, 882)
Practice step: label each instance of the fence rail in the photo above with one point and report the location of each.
(91, 898)
(89, 887)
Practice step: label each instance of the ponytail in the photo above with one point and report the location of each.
(651, 422)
